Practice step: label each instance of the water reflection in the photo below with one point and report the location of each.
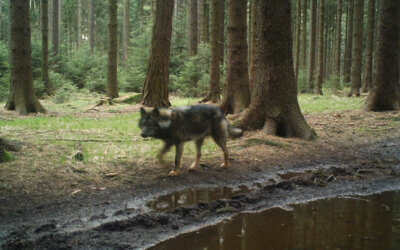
(371, 222)
(194, 196)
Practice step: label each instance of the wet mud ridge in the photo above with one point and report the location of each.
(148, 221)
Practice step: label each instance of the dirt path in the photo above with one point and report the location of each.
(356, 152)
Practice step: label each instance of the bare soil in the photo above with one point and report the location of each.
(354, 148)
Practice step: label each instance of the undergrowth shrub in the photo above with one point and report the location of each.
(193, 77)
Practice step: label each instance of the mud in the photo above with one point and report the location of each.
(148, 215)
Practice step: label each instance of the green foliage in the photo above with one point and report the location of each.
(193, 78)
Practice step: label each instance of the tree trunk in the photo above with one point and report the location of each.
(348, 53)
(205, 20)
(56, 39)
(92, 26)
(304, 33)
(112, 81)
(356, 63)
(321, 48)
(45, 47)
(367, 83)
(193, 34)
(126, 31)
(78, 23)
(274, 104)
(385, 94)
(313, 42)
(22, 96)
(155, 91)
(237, 80)
(298, 25)
(338, 46)
(253, 44)
(217, 28)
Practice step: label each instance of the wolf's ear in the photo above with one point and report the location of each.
(164, 124)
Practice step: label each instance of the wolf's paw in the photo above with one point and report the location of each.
(194, 166)
(173, 173)
(224, 165)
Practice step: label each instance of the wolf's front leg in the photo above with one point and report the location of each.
(178, 157)
(164, 150)
(196, 163)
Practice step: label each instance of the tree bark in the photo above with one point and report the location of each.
(312, 48)
(253, 44)
(112, 81)
(237, 96)
(193, 34)
(348, 53)
(385, 94)
(304, 34)
(217, 29)
(45, 47)
(92, 25)
(155, 91)
(321, 48)
(205, 20)
(56, 39)
(78, 23)
(298, 25)
(356, 63)
(338, 44)
(367, 83)
(22, 96)
(126, 31)
(274, 104)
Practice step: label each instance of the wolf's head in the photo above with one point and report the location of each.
(154, 121)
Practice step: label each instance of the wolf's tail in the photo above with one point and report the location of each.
(234, 132)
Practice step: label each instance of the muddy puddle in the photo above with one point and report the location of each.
(194, 196)
(367, 222)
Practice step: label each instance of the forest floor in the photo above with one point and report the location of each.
(84, 169)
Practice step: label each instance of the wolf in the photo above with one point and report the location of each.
(175, 126)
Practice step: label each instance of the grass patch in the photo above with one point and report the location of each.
(310, 103)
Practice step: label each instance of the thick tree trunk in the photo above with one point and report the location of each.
(298, 25)
(92, 25)
(56, 39)
(126, 31)
(253, 44)
(193, 32)
(313, 42)
(338, 45)
(45, 47)
(217, 45)
(205, 22)
(78, 22)
(112, 81)
(356, 63)
(237, 80)
(274, 104)
(304, 34)
(155, 91)
(367, 83)
(348, 53)
(22, 96)
(321, 48)
(385, 94)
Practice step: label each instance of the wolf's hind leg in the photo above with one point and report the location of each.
(196, 163)
(220, 134)
(178, 157)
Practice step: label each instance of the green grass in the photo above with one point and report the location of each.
(116, 137)
(310, 103)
